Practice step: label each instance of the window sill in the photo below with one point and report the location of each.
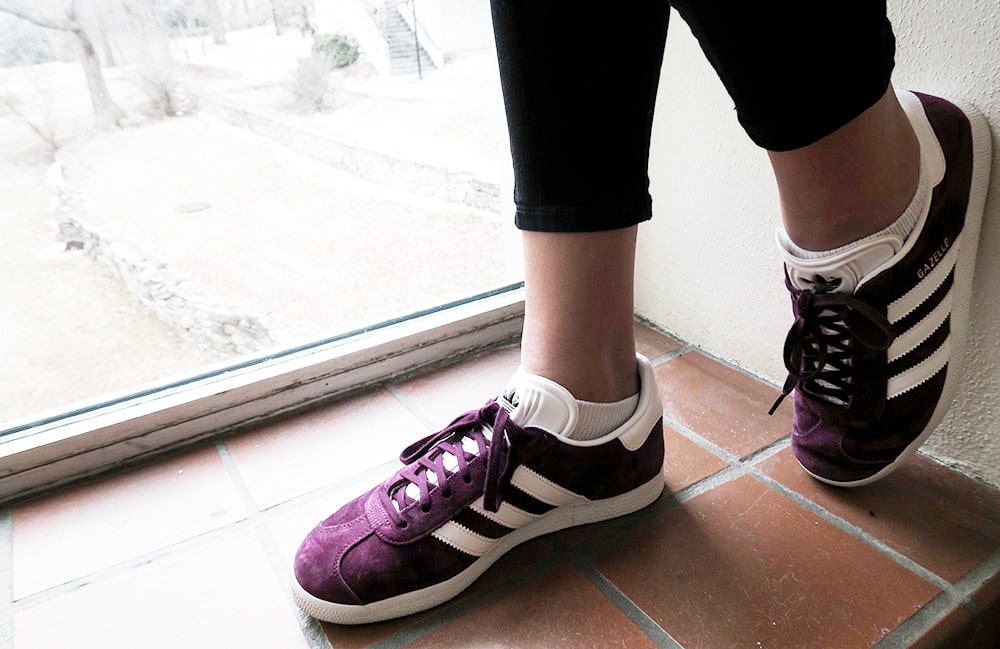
(62, 450)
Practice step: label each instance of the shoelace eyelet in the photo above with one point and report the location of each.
(828, 328)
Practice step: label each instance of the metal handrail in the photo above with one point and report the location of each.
(430, 47)
(416, 37)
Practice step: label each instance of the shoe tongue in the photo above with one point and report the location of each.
(842, 271)
(540, 403)
(531, 401)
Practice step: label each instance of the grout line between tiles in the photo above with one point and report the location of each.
(733, 366)
(630, 609)
(249, 505)
(310, 627)
(254, 519)
(717, 479)
(767, 452)
(464, 605)
(958, 594)
(410, 405)
(761, 454)
(6, 577)
(671, 355)
(381, 471)
(109, 572)
(845, 526)
(747, 466)
(704, 443)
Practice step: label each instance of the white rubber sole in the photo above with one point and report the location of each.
(965, 267)
(425, 598)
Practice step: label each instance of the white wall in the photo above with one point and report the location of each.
(457, 26)
(707, 266)
(468, 26)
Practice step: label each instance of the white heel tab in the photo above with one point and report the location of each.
(540, 403)
(635, 431)
(931, 154)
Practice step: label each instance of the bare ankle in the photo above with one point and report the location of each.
(587, 378)
(852, 183)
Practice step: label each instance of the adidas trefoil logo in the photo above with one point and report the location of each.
(825, 284)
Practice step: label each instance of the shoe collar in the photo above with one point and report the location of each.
(841, 272)
(534, 401)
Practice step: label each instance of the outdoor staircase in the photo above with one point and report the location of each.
(402, 48)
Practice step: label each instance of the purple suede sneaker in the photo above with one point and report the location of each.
(874, 354)
(492, 479)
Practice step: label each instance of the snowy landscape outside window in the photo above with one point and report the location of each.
(189, 183)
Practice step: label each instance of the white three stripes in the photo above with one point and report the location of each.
(921, 331)
(526, 480)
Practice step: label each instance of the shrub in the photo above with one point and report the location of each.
(312, 86)
(338, 49)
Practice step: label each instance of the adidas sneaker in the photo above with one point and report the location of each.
(492, 479)
(874, 354)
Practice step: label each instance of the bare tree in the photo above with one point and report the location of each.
(214, 19)
(278, 14)
(107, 114)
(41, 125)
(24, 43)
(147, 23)
(100, 23)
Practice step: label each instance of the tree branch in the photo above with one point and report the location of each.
(48, 22)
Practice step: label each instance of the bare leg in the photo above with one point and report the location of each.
(579, 311)
(852, 183)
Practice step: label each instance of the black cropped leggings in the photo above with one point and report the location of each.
(579, 84)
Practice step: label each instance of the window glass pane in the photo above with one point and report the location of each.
(191, 183)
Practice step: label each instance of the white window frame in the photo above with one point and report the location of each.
(57, 450)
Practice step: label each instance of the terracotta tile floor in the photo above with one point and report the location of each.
(743, 550)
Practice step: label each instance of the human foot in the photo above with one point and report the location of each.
(468, 494)
(874, 354)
